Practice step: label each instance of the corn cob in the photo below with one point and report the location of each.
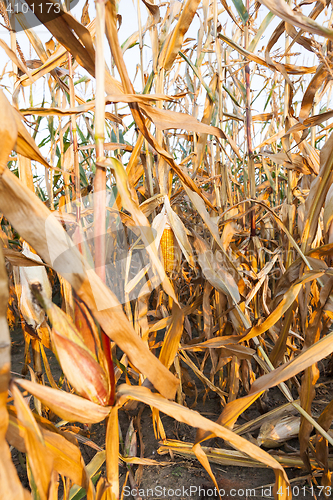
(168, 248)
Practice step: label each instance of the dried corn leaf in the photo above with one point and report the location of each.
(35, 445)
(68, 406)
(47, 236)
(173, 43)
(195, 419)
(284, 11)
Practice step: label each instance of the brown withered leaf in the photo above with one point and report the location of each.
(309, 95)
(85, 19)
(174, 41)
(288, 299)
(19, 259)
(62, 28)
(291, 69)
(153, 9)
(194, 419)
(166, 119)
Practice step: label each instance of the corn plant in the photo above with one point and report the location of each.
(163, 231)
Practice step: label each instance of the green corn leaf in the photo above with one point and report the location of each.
(243, 13)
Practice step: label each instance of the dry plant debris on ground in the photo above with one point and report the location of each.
(167, 239)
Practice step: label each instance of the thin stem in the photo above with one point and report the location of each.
(248, 124)
(100, 176)
(77, 184)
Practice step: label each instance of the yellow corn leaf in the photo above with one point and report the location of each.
(194, 419)
(173, 43)
(10, 484)
(202, 457)
(8, 129)
(286, 302)
(68, 406)
(67, 459)
(312, 355)
(40, 460)
(26, 145)
(318, 191)
(172, 337)
(112, 452)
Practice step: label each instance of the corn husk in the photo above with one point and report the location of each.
(171, 237)
(273, 434)
(24, 277)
